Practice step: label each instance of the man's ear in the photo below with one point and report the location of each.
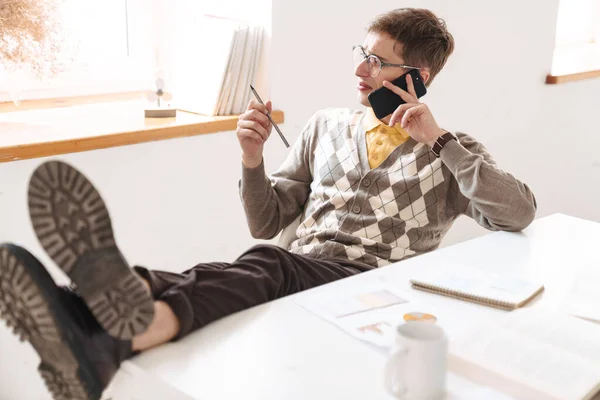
(425, 75)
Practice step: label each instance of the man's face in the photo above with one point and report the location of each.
(382, 46)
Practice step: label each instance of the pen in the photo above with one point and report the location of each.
(269, 116)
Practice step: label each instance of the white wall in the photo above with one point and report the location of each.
(175, 203)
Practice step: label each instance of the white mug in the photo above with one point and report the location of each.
(416, 368)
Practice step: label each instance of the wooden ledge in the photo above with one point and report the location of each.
(555, 79)
(48, 132)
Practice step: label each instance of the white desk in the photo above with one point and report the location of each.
(281, 351)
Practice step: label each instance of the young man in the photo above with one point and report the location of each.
(369, 193)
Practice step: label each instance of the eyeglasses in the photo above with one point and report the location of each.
(374, 63)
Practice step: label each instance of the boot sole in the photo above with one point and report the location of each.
(73, 225)
(29, 304)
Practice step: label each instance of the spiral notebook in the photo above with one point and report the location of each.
(478, 286)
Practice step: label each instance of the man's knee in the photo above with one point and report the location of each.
(268, 258)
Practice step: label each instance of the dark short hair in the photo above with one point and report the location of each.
(425, 38)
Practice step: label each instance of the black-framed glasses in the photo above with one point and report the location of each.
(375, 64)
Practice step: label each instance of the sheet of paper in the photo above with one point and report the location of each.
(584, 298)
(356, 300)
(372, 313)
(378, 327)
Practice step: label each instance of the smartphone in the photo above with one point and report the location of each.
(384, 101)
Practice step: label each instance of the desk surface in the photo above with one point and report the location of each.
(281, 351)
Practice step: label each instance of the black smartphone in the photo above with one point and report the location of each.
(384, 101)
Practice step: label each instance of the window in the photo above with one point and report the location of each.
(577, 47)
(118, 44)
(110, 46)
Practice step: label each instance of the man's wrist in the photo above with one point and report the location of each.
(251, 162)
(441, 142)
(432, 142)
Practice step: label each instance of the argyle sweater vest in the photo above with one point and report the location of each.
(402, 208)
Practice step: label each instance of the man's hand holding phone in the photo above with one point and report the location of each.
(413, 116)
(253, 130)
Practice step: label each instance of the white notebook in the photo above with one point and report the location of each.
(478, 286)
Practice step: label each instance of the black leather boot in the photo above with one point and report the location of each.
(73, 226)
(78, 357)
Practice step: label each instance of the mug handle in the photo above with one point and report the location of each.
(393, 366)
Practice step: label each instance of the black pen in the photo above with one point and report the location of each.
(269, 116)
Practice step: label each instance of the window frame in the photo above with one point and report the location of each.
(577, 61)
